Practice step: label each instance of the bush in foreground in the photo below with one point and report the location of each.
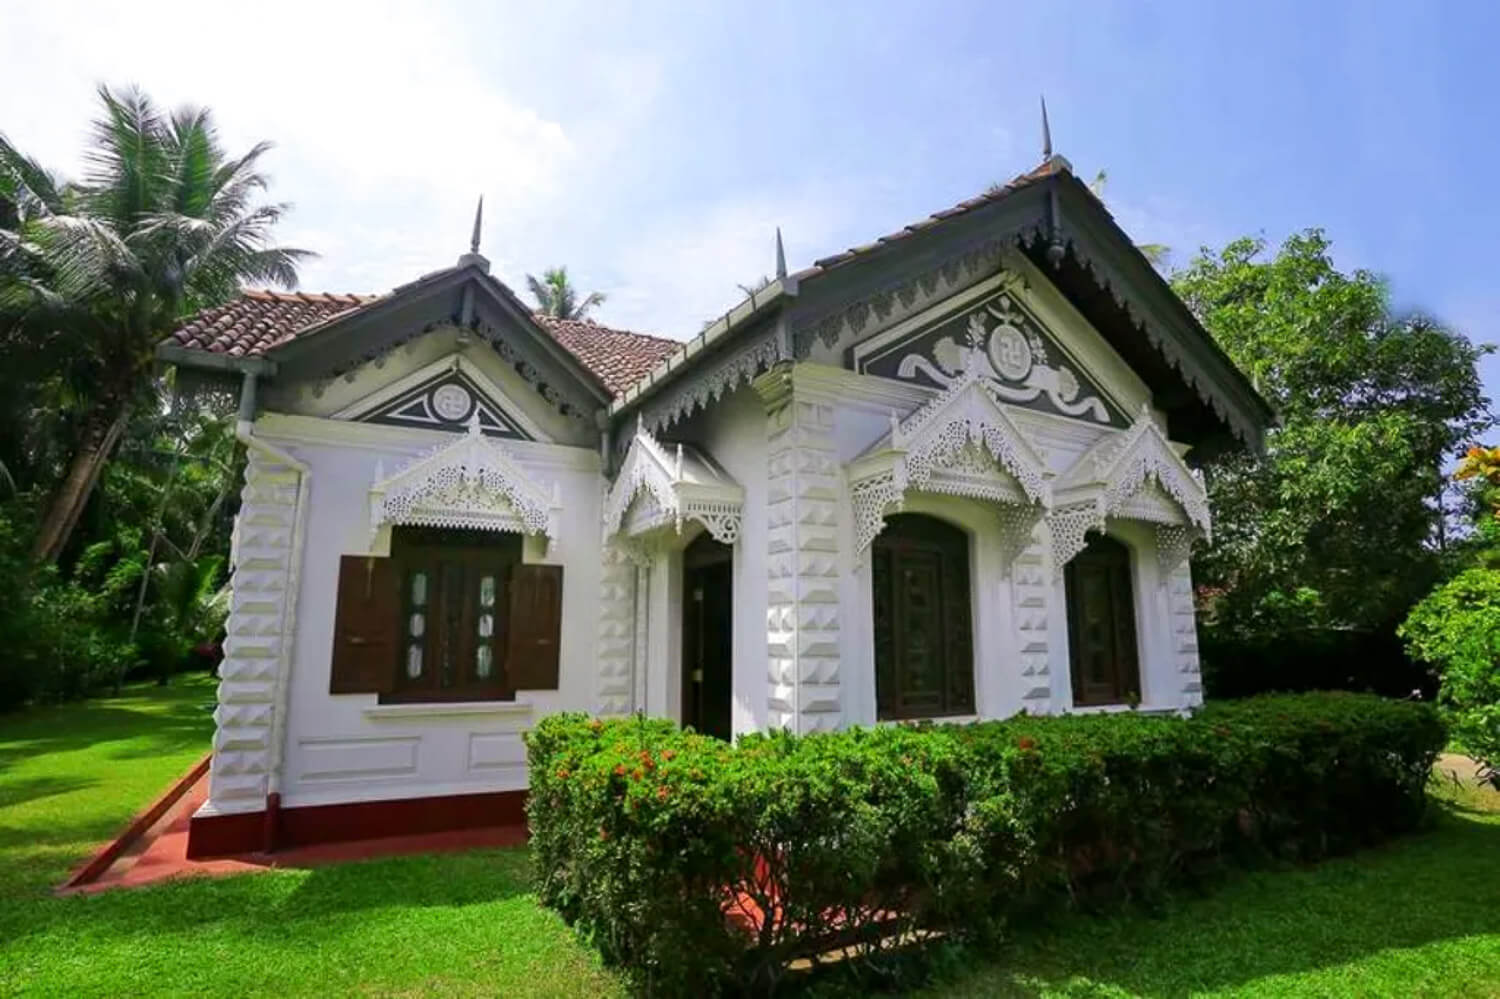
(701, 867)
(1456, 628)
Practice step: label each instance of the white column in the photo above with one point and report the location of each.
(261, 560)
(802, 615)
(616, 634)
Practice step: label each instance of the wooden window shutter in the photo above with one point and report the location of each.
(535, 627)
(366, 625)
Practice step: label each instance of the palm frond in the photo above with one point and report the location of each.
(542, 293)
(26, 183)
(126, 163)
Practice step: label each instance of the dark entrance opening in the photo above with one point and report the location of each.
(1101, 624)
(707, 636)
(924, 655)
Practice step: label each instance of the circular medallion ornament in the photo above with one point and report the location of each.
(451, 402)
(1010, 353)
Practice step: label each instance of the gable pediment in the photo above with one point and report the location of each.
(448, 400)
(1030, 350)
(466, 302)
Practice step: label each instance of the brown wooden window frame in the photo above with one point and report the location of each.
(931, 539)
(380, 618)
(454, 563)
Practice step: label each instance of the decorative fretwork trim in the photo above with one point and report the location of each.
(650, 473)
(966, 413)
(1070, 526)
(712, 384)
(961, 443)
(469, 482)
(1108, 278)
(902, 295)
(574, 409)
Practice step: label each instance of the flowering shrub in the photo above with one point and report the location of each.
(701, 867)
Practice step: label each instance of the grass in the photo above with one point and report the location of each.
(1419, 917)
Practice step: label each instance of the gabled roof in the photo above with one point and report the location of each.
(257, 323)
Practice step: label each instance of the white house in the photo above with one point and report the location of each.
(945, 475)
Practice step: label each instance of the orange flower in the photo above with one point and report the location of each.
(661, 793)
(668, 754)
(637, 774)
(562, 773)
(619, 770)
(1026, 742)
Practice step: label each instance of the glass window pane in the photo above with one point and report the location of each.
(483, 663)
(413, 660)
(486, 625)
(487, 591)
(419, 588)
(417, 625)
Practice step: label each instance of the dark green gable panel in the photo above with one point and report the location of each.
(1024, 363)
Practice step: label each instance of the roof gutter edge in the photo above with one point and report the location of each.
(171, 353)
(757, 305)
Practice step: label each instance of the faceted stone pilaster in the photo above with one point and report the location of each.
(617, 643)
(1031, 591)
(1184, 625)
(254, 635)
(802, 618)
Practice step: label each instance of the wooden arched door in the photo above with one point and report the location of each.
(924, 655)
(1101, 624)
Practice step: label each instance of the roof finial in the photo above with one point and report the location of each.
(1046, 133)
(474, 258)
(780, 256)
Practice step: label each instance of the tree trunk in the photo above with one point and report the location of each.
(83, 474)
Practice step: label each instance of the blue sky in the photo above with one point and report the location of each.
(654, 147)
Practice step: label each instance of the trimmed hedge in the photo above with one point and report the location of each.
(665, 847)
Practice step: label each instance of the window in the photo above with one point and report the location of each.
(452, 615)
(455, 586)
(1101, 624)
(924, 659)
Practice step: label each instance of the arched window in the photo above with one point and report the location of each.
(1101, 624)
(924, 655)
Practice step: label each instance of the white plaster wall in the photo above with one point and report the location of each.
(347, 747)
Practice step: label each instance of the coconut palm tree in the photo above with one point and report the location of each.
(556, 297)
(97, 272)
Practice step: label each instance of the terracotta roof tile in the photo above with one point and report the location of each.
(618, 357)
(259, 320)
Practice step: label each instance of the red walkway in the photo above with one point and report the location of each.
(161, 851)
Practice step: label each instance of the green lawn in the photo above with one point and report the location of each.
(1419, 917)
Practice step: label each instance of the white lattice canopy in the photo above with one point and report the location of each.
(472, 481)
(960, 443)
(1136, 475)
(663, 486)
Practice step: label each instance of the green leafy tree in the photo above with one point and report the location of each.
(1456, 628)
(556, 297)
(94, 273)
(1333, 534)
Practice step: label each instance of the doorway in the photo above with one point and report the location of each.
(707, 637)
(1101, 624)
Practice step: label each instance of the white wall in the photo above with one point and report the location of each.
(349, 748)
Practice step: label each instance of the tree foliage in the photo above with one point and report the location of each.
(557, 297)
(1336, 530)
(95, 272)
